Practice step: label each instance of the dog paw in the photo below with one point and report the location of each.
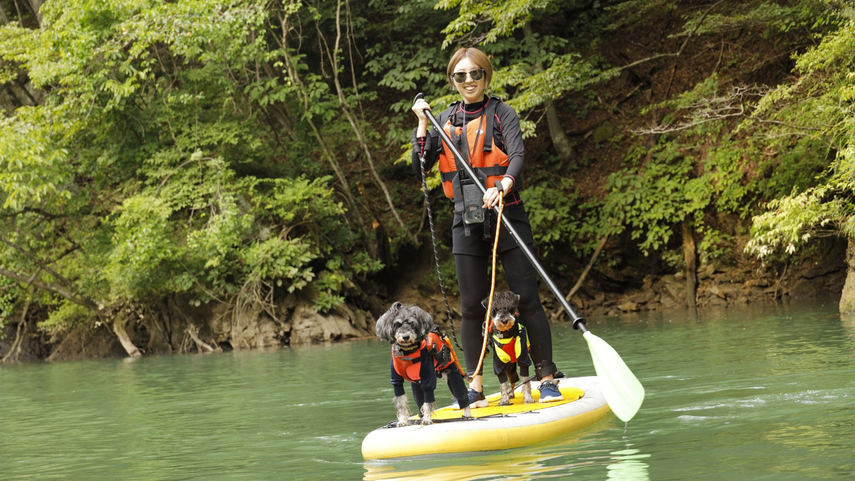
(505, 402)
(529, 400)
(426, 421)
(402, 424)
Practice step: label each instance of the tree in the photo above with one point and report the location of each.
(814, 114)
(150, 172)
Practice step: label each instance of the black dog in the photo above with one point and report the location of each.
(510, 345)
(419, 353)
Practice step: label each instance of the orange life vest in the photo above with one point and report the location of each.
(486, 159)
(434, 346)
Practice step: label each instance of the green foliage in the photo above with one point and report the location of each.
(651, 199)
(66, 315)
(141, 262)
(8, 296)
(201, 148)
(816, 110)
(505, 17)
(32, 165)
(158, 163)
(551, 212)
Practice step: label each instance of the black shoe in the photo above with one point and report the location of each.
(474, 397)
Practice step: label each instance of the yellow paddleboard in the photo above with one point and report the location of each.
(494, 427)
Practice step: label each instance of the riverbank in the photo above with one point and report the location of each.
(208, 328)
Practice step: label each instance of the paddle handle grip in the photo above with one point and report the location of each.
(578, 322)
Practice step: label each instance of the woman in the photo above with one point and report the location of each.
(487, 133)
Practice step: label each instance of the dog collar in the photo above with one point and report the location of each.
(400, 351)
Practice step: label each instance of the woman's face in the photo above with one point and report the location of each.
(471, 90)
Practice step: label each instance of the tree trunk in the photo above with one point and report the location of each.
(292, 69)
(847, 297)
(690, 254)
(560, 140)
(36, 7)
(122, 335)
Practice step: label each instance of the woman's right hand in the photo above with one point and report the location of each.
(419, 109)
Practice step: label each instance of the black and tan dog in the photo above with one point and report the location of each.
(419, 354)
(510, 345)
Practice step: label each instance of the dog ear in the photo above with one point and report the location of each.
(383, 329)
(516, 298)
(425, 320)
(485, 302)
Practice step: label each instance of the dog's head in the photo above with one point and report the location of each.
(504, 310)
(403, 325)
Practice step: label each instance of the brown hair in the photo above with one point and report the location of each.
(475, 56)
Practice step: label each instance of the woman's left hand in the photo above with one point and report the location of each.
(491, 197)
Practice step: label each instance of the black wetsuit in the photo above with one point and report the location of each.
(472, 253)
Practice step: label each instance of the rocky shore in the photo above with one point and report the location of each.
(180, 328)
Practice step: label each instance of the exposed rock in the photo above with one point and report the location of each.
(628, 306)
(716, 291)
(260, 331)
(309, 326)
(84, 342)
(847, 297)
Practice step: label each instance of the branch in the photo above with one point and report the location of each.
(678, 52)
(711, 109)
(584, 273)
(39, 263)
(333, 58)
(83, 301)
(15, 350)
(685, 42)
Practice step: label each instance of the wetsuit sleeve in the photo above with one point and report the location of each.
(397, 380)
(513, 142)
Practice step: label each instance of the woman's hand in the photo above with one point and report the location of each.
(419, 109)
(491, 197)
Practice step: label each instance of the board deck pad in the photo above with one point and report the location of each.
(518, 404)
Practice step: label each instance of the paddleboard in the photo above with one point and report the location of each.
(494, 427)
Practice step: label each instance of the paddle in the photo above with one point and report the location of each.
(621, 388)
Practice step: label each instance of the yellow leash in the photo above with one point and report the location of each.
(492, 283)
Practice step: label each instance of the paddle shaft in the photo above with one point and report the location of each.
(578, 322)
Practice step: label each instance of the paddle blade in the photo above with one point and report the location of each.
(622, 390)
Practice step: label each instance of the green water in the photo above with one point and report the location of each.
(764, 392)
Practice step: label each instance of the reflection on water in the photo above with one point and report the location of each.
(760, 392)
(629, 466)
(548, 462)
(510, 466)
(553, 459)
(848, 324)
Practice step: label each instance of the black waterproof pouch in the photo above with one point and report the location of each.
(473, 204)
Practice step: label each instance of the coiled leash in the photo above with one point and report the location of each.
(493, 277)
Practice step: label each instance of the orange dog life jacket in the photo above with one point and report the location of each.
(434, 346)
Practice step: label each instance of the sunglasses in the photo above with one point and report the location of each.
(460, 77)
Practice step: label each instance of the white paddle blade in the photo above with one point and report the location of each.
(622, 390)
